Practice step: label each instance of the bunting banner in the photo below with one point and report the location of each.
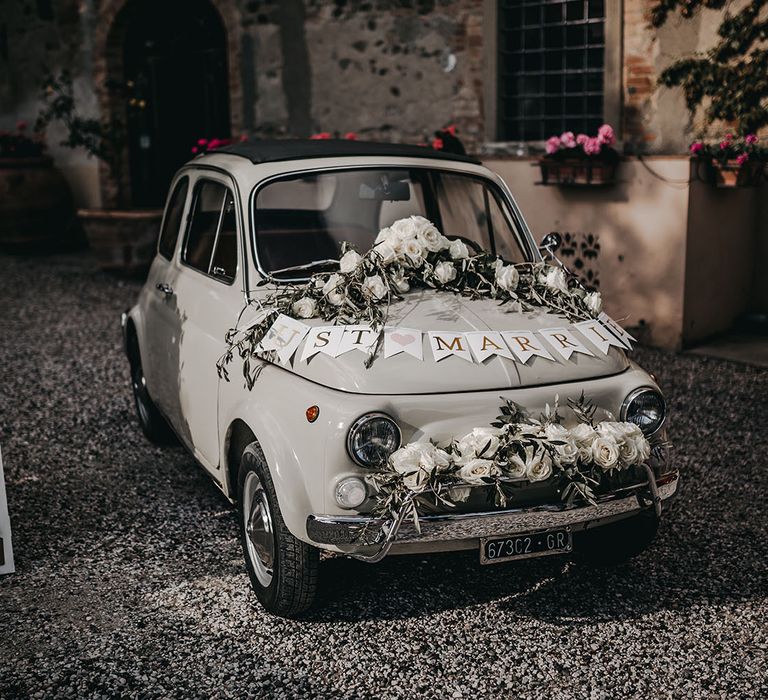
(588, 338)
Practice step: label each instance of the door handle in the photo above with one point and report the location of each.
(165, 288)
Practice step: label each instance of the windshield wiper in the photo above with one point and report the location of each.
(305, 266)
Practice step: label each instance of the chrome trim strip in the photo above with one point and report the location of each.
(359, 531)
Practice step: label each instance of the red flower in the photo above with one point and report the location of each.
(350, 136)
(437, 143)
(21, 125)
(321, 136)
(451, 129)
(243, 138)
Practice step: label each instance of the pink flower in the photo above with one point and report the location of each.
(729, 137)
(553, 144)
(21, 125)
(581, 139)
(194, 149)
(696, 147)
(451, 129)
(202, 142)
(243, 138)
(350, 136)
(321, 136)
(724, 144)
(751, 139)
(606, 135)
(743, 158)
(437, 143)
(567, 139)
(592, 146)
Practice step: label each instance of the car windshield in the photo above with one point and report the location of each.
(302, 220)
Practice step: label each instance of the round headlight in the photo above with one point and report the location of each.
(645, 408)
(372, 438)
(351, 492)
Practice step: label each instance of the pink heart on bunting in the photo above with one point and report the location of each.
(402, 339)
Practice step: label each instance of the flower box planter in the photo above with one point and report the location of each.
(35, 203)
(583, 172)
(732, 174)
(122, 240)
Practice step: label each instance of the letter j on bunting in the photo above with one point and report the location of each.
(446, 344)
(284, 336)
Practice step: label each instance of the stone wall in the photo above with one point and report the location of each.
(386, 69)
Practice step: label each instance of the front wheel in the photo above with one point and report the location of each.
(283, 569)
(617, 543)
(152, 423)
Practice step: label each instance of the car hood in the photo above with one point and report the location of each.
(427, 310)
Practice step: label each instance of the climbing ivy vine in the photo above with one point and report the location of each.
(731, 79)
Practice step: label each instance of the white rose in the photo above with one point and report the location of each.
(516, 467)
(583, 435)
(471, 445)
(594, 303)
(349, 261)
(414, 252)
(556, 432)
(332, 291)
(555, 279)
(386, 235)
(445, 272)
(428, 235)
(409, 461)
(304, 307)
(568, 453)
(404, 229)
(474, 470)
(507, 276)
(374, 287)
(629, 452)
(458, 250)
(612, 429)
(605, 452)
(387, 252)
(539, 467)
(400, 282)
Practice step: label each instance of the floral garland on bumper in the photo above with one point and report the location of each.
(514, 450)
(409, 254)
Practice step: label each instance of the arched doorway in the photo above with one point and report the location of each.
(174, 58)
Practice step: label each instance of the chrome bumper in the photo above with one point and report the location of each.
(362, 536)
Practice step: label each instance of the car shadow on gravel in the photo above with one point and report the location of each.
(680, 570)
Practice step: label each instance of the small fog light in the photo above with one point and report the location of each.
(351, 492)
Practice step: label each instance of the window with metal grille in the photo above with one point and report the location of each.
(551, 62)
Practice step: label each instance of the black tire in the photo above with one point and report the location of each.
(610, 545)
(153, 424)
(292, 588)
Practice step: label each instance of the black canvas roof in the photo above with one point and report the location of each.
(269, 151)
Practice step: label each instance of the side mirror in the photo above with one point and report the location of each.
(551, 242)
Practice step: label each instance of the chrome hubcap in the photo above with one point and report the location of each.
(257, 521)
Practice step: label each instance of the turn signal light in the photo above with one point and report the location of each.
(312, 413)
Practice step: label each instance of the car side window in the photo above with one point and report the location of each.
(169, 234)
(211, 245)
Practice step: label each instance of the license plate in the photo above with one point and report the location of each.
(530, 544)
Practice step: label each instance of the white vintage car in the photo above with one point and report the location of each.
(392, 447)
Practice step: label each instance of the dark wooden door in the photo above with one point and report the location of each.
(176, 63)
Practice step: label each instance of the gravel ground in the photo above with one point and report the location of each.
(130, 580)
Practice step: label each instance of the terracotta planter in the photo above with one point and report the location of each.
(35, 203)
(731, 174)
(122, 240)
(577, 172)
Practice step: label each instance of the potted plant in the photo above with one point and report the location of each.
(580, 159)
(122, 238)
(733, 162)
(35, 201)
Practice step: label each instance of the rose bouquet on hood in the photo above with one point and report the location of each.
(411, 253)
(512, 451)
